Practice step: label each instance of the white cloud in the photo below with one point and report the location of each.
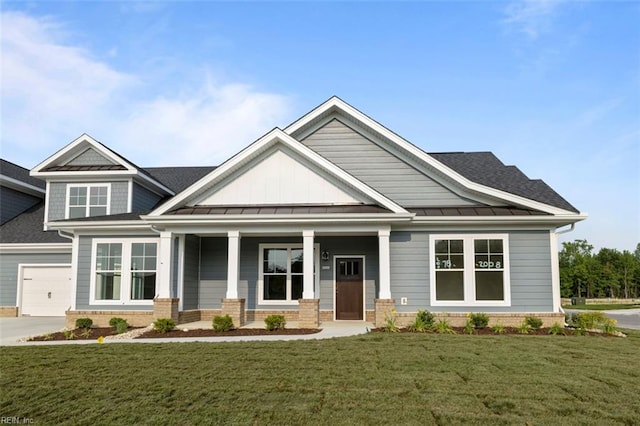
(52, 91)
(531, 17)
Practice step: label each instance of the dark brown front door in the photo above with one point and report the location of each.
(349, 288)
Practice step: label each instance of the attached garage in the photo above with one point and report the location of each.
(45, 290)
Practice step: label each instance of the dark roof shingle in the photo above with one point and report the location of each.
(16, 172)
(27, 228)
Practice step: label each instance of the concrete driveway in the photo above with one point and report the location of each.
(627, 318)
(12, 329)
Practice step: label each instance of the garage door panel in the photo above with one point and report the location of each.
(46, 291)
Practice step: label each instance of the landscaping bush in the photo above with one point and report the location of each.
(534, 322)
(426, 318)
(443, 327)
(479, 320)
(115, 320)
(222, 323)
(417, 325)
(556, 329)
(275, 322)
(589, 320)
(122, 326)
(163, 325)
(84, 323)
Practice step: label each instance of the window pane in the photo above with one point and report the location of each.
(296, 260)
(296, 287)
(275, 287)
(457, 261)
(489, 285)
(75, 212)
(456, 246)
(481, 246)
(107, 286)
(275, 260)
(442, 246)
(497, 261)
(449, 285)
(495, 246)
(97, 211)
(137, 249)
(143, 285)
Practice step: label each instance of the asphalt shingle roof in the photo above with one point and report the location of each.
(178, 178)
(16, 172)
(27, 228)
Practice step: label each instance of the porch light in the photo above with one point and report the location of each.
(325, 255)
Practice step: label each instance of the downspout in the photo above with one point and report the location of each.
(74, 266)
(564, 231)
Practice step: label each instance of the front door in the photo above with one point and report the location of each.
(349, 288)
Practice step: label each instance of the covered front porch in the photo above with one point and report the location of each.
(308, 274)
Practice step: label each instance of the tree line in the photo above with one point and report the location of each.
(607, 273)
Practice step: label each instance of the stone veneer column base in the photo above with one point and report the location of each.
(309, 313)
(235, 309)
(166, 308)
(383, 308)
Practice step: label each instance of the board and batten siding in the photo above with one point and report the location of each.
(379, 168)
(530, 270)
(143, 200)
(83, 287)
(9, 271)
(57, 198)
(191, 273)
(14, 202)
(90, 157)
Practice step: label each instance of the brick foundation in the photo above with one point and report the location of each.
(308, 313)
(101, 318)
(189, 316)
(166, 308)
(235, 309)
(459, 319)
(8, 311)
(289, 315)
(383, 308)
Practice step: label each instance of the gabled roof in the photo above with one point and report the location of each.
(17, 177)
(118, 165)
(532, 194)
(274, 137)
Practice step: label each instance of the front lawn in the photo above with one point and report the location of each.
(372, 379)
(602, 307)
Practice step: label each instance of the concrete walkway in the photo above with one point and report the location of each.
(328, 330)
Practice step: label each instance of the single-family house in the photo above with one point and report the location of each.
(335, 217)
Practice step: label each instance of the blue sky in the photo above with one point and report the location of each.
(552, 87)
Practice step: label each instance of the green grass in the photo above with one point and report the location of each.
(372, 379)
(602, 307)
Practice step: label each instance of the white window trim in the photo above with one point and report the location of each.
(261, 247)
(469, 270)
(125, 271)
(88, 206)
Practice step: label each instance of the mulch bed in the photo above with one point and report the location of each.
(201, 332)
(507, 331)
(95, 332)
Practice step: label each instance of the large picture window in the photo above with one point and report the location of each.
(87, 200)
(469, 270)
(124, 272)
(281, 273)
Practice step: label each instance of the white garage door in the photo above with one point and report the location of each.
(46, 290)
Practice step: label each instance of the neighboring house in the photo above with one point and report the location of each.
(334, 217)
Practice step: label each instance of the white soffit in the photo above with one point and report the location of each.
(278, 179)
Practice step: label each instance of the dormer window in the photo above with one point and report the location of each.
(87, 200)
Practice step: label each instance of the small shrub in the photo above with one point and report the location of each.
(468, 326)
(443, 327)
(589, 320)
(390, 324)
(121, 326)
(115, 320)
(85, 333)
(524, 328)
(418, 326)
(479, 320)
(427, 318)
(609, 326)
(499, 329)
(69, 334)
(275, 322)
(534, 322)
(163, 325)
(48, 336)
(556, 329)
(84, 323)
(580, 331)
(222, 323)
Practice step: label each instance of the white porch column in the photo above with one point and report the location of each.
(233, 264)
(385, 264)
(307, 262)
(166, 262)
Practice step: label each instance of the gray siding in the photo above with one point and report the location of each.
(213, 272)
(90, 157)
(9, 271)
(13, 202)
(58, 202)
(530, 273)
(379, 168)
(191, 274)
(85, 248)
(142, 199)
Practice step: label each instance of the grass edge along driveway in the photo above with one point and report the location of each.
(370, 379)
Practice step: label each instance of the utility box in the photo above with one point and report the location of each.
(578, 301)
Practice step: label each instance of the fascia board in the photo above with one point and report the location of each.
(35, 248)
(421, 155)
(271, 138)
(83, 174)
(21, 186)
(564, 219)
(112, 225)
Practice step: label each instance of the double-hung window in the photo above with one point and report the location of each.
(469, 270)
(87, 200)
(281, 273)
(123, 271)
